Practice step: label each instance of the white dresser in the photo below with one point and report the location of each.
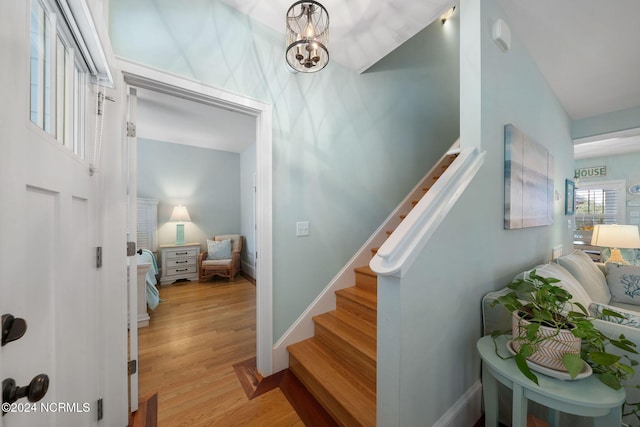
(179, 262)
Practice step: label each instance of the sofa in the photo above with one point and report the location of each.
(596, 286)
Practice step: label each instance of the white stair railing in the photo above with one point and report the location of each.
(398, 252)
(303, 327)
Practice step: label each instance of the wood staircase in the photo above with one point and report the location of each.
(338, 364)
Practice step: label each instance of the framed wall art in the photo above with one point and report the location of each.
(569, 197)
(528, 181)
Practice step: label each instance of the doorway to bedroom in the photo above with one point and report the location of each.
(227, 189)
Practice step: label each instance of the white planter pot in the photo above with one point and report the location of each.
(550, 351)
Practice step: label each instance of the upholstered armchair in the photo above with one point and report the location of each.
(222, 257)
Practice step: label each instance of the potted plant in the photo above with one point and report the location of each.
(544, 312)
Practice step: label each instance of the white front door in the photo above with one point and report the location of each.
(48, 235)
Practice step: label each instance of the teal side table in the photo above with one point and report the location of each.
(586, 397)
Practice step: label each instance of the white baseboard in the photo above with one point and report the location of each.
(466, 411)
(249, 270)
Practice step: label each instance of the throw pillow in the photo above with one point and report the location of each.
(627, 318)
(624, 283)
(567, 282)
(588, 274)
(219, 250)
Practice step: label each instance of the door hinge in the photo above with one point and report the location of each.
(131, 129)
(133, 366)
(99, 257)
(99, 409)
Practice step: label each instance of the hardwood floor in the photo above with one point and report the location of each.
(187, 354)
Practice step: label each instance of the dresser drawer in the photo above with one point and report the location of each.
(180, 262)
(181, 270)
(181, 253)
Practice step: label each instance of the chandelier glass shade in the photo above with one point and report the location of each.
(307, 36)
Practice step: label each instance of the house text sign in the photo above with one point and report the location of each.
(592, 172)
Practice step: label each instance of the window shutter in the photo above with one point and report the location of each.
(600, 203)
(147, 224)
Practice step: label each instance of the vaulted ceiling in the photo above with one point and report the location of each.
(586, 49)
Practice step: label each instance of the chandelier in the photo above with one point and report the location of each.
(307, 36)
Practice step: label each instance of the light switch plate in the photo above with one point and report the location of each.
(556, 252)
(302, 228)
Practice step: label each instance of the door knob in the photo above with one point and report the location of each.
(35, 391)
(12, 328)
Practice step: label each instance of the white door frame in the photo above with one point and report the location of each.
(132, 266)
(149, 78)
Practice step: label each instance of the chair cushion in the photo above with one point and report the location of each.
(567, 282)
(218, 249)
(588, 275)
(624, 283)
(216, 262)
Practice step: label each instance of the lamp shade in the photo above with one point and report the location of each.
(616, 236)
(180, 213)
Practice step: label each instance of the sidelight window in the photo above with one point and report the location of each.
(58, 77)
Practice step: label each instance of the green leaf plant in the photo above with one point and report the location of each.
(543, 303)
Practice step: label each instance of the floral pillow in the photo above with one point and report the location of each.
(614, 314)
(624, 283)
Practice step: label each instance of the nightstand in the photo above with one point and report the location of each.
(179, 262)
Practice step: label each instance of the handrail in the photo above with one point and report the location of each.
(399, 251)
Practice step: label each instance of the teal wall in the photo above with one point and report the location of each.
(206, 181)
(347, 147)
(606, 123)
(626, 167)
(430, 318)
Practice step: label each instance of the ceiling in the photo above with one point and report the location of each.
(162, 117)
(586, 49)
(364, 30)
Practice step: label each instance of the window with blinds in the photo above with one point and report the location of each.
(147, 224)
(599, 203)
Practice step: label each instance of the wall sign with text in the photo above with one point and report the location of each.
(592, 172)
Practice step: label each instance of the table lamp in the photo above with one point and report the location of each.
(180, 214)
(616, 237)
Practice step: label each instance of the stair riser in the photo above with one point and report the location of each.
(366, 282)
(353, 307)
(328, 402)
(363, 366)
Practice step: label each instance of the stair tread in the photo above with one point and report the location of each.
(365, 269)
(359, 333)
(366, 298)
(334, 376)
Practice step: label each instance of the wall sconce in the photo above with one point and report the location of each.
(447, 15)
(180, 214)
(307, 36)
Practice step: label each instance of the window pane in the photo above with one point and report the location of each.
(57, 76)
(60, 91)
(78, 112)
(37, 63)
(46, 106)
(40, 73)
